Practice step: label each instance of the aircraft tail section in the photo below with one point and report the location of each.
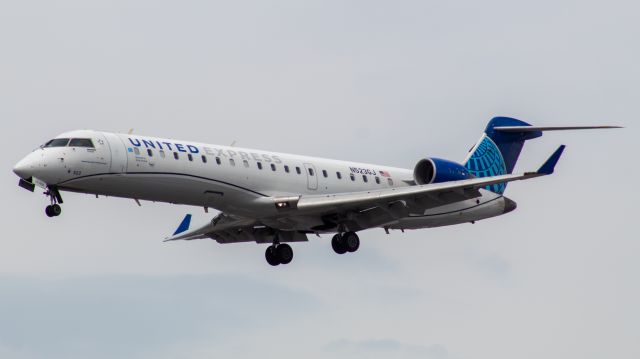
(497, 151)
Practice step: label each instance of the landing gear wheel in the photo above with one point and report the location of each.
(338, 244)
(271, 255)
(49, 211)
(56, 210)
(285, 253)
(351, 241)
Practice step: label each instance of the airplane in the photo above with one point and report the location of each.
(278, 198)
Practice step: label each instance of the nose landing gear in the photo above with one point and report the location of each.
(54, 209)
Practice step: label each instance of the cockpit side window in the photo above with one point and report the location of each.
(81, 142)
(57, 142)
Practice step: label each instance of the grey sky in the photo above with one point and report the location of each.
(375, 81)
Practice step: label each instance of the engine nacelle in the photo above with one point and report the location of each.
(435, 170)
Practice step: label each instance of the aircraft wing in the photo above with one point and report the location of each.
(225, 228)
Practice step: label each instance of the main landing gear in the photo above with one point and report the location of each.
(279, 254)
(345, 242)
(54, 209)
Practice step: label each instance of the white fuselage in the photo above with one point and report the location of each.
(235, 180)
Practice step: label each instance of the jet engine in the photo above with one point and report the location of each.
(435, 170)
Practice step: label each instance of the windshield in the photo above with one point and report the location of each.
(81, 142)
(57, 142)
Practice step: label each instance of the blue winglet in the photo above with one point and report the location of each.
(548, 167)
(184, 225)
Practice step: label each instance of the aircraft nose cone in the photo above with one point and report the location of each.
(22, 169)
(509, 205)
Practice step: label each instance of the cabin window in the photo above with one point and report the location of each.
(273, 167)
(377, 180)
(339, 175)
(286, 168)
(245, 163)
(298, 170)
(365, 178)
(232, 162)
(190, 156)
(325, 174)
(176, 155)
(149, 152)
(353, 177)
(162, 153)
(390, 181)
(310, 171)
(57, 142)
(204, 159)
(259, 165)
(136, 150)
(81, 142)
(218, 160)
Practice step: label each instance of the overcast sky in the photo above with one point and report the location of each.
(387, 82)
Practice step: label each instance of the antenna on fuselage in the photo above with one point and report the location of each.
(233, 143)
(130, 131)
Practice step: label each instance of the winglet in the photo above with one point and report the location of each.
(184, 225)
(548, 167)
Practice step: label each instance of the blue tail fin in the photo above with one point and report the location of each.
(497, 152)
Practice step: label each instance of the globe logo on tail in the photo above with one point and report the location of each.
(487, 161)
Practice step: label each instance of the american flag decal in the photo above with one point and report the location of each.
(384, 174)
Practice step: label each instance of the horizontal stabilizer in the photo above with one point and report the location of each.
(512, 129)
(184, 225)
(548, 167)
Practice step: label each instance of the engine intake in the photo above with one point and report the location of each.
(436, 170)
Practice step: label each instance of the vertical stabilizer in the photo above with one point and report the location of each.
(497, 152)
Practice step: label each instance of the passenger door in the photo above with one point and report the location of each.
(118, 153)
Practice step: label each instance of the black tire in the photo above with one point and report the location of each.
(56, 210)
(285, 253)
(48, 211)
(351, 241)
(271, 256)
(337, 243)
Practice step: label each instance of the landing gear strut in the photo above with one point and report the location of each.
(54, 209)
(345, 242)
(279, 254)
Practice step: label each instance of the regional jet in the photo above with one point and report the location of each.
(278, 198)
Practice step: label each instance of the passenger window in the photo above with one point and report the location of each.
(162, 153)
(310, 171)
(149, 152)
(218, 160)
(204, 159)
(136, 150)
(390, 181)
(298, 170)
(245, 163)
(365, 178)
(57, 142)
(353, 177)
(377, 180)
(339, 175)
(259, 165)
(232, 162)
(324, 173)
(81, 142)
(273, 167)
(286, 168)
(190, 157)
(176, 156)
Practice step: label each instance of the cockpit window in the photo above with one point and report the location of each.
(81, 142)
(57, 142)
